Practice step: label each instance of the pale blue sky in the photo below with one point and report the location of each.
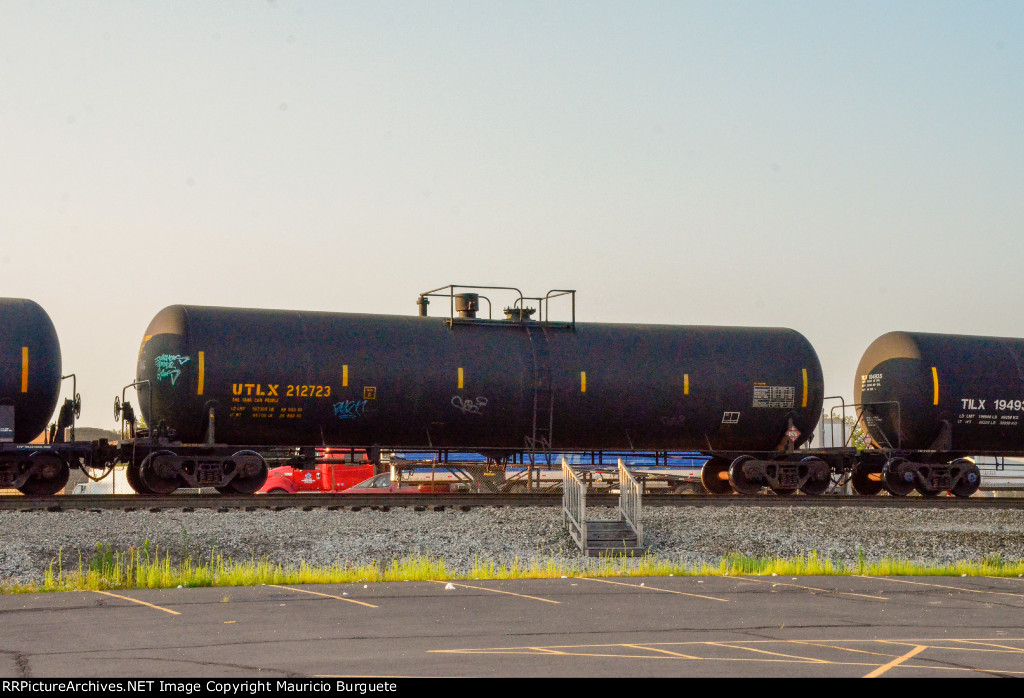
(844, 169)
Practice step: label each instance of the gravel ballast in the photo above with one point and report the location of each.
(503, 535)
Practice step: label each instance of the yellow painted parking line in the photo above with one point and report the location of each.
(667, 591)
(536, 648)
(319, 593)
(827, 591)
(496, 591)
(896, 662)
(1007, 648)
(946, 586)
(843, 649)
(795, 657)
(143, 603)
(656, 649)
(544, 651)
(658, 653)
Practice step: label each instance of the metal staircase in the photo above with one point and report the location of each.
(603, 537)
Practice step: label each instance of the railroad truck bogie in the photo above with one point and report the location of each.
(229, 471)
(784, 476)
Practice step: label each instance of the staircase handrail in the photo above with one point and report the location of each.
(574, 504)
(630, 501)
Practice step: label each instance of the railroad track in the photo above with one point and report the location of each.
(436, 502)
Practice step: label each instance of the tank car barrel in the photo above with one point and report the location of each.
(298, 378)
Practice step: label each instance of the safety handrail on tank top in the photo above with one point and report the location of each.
(543, 303)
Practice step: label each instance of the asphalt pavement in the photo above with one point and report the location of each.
(579, 627)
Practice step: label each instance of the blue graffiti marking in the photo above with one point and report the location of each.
(350, 409)
(169, 366)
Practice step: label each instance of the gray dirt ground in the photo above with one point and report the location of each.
(691, 535)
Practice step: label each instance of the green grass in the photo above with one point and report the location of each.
(143, 568)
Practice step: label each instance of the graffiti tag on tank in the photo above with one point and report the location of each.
(469, 406)
(169, 366)
(350, 409)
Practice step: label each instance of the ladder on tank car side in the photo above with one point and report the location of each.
(543, 398)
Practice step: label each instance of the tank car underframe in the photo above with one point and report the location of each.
(43, 469)
(813, 471)
(810, 471)
(160, 466)
(901, 472)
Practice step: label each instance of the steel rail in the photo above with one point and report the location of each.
(433, 501)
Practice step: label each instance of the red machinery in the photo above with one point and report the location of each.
(335, 471)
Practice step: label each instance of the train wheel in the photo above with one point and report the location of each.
(863, 482)
(739, 480)
(711, 476)
(153, 480)
(783, 491)
(899, 481)
(819, 476)
(277, 490)
(969, 480)
(135, 479)
(252, 472)
(816, 487)
(52, 473)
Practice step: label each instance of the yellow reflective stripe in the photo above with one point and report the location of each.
(24, 369)
(202, 373)
(804, 404)
(686, 384)
(344, 375)
(461, 378)
(583, 381)
(935, 381)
